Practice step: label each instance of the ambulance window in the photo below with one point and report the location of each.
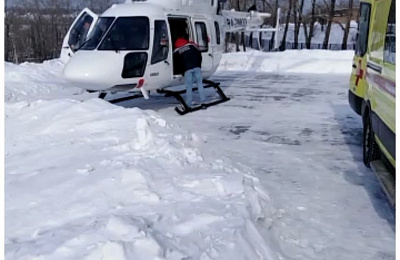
(217, 32)
(161, 42)
(390, 39)
(201, 35)
(127, 33)
(363, 28)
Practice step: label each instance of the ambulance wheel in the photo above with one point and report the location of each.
(370, 147)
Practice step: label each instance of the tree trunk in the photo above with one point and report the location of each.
(328, 27)
(296, 24)
(347, 30)
(227, 40)
(243, 41)
(302, 20)
(7, 32)
(274, 22)
(283, 43)
(237, 41)
(312, 22)
(237, 34)
(7, 41)
(15, 53)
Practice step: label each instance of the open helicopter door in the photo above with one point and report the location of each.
(202, 36)
(179, 26)
(160, 69)
(77, 33)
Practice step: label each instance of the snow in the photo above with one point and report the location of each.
(274, 173)
(335, 37)
(292, 61)
(27, 81)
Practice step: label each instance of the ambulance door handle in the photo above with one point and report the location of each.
(210, 55)
(355, 66)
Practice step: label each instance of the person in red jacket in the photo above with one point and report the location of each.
(190, 56)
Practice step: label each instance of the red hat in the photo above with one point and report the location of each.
(180, 42)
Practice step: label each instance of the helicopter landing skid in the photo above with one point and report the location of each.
(113, 101)
(184, 108)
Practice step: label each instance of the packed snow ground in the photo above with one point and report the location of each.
(274, 173)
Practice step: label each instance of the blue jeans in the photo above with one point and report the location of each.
(189, 76)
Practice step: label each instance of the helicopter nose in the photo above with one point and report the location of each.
(92, 70)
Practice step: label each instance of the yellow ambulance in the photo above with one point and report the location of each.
(372, 92)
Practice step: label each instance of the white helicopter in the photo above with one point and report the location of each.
(129, 48)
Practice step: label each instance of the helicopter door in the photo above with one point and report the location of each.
(160, 70)
(77, 33)
(179, 27)
(203, 40)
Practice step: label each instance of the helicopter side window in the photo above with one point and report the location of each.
(127, 33)
(134, 65)
(201, 35)
(98, 32)
(217, 32)
(161, 42)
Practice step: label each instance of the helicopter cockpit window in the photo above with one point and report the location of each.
(79, 31)
(127, 33)
(98, 32)
(201, 35)
(161, 42)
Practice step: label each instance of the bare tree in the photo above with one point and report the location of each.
(239, 5)
(296, 23)
(283, 43)
(35, 29)
(303, 20)
(274, 14)
(311, 25)
(7, 36)
(299, 19)
(329, 25)
(347, 30)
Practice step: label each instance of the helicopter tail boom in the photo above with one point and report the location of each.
(250, 22)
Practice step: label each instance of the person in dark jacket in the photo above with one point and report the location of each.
(191, 59)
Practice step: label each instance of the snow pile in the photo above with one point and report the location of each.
(290, 61)
(29, 80)
(90, 180)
